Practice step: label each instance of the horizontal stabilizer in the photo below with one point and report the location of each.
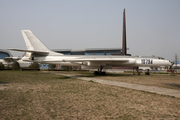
(32, 51)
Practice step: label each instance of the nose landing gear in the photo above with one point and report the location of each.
(147, 73)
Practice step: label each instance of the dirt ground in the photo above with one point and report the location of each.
(39, 95)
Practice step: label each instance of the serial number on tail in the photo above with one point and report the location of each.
(146, 61)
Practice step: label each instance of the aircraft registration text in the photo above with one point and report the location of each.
(146, 61)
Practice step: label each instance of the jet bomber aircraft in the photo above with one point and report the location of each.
(38, 52)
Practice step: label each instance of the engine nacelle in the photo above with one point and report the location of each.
(67, 64)
(26, 59)
(95, 64)
(95, 67)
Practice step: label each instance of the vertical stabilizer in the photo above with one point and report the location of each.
(124, 52)
(34, 44)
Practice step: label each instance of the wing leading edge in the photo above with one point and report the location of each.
(32, 51)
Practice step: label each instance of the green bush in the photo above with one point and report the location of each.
(67, 68)
(1, 65)
(51, 66)
(15, 66)
(34, 65)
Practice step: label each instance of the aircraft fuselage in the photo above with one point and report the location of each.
(76, 60)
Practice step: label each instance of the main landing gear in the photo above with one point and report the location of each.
(100, 72)
(137, 69)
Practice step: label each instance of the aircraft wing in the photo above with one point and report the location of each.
(32, 51)
(89, 60)
(95, 60)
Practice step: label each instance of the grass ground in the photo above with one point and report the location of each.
(39, 95)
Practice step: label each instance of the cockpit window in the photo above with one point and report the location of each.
(161, 58)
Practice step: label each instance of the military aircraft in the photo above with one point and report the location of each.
(176, 66)
(38, 52)
(8, 62)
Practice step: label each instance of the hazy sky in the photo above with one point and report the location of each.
(153, 26)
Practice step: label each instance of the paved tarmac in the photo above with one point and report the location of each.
(2, 87)
(152, 89)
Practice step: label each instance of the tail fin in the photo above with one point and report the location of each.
(33, 43)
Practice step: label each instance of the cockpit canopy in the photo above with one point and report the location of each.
(161, 58)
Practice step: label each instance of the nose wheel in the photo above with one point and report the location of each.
(147, 73)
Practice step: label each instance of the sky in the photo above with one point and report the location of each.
(152, 26)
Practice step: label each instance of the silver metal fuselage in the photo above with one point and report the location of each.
(38, 52)
(97, 61)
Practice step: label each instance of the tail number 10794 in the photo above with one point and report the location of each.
(146, 61)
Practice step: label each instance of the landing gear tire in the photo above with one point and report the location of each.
(96, 72)
(99, 73)
(147, 73)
